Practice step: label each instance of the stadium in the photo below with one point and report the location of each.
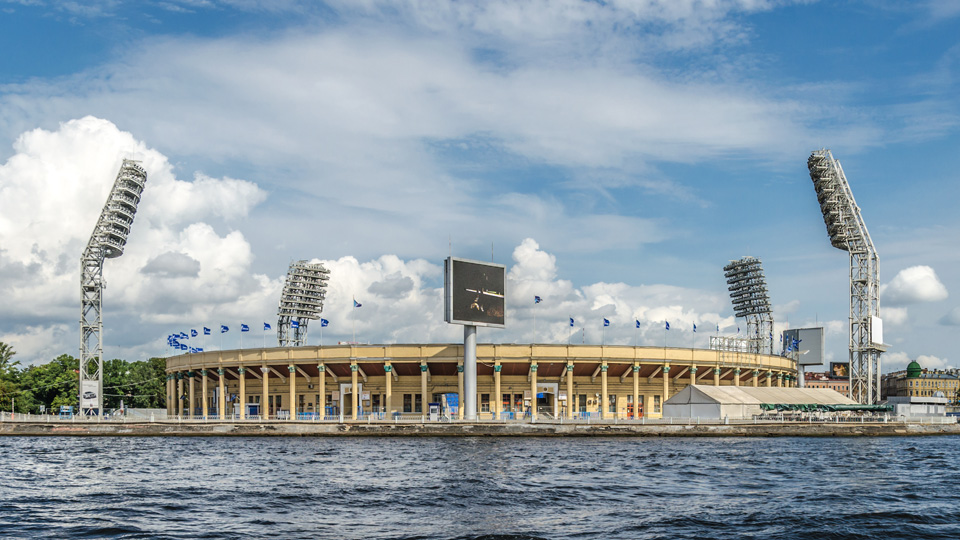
(533, 381)
(487, 381)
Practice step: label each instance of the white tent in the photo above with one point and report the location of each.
(701, 401)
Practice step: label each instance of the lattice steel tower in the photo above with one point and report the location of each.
(301, 301)
(107, 242)
(848, 232)
(748, 292)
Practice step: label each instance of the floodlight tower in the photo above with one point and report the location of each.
(748, 292)
(848, 232)
(107, 242)
(302, 300)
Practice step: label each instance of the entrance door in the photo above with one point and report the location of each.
(546, 399)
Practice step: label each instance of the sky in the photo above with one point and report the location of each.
(613, 155)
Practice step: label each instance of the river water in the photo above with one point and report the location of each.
(472, 488)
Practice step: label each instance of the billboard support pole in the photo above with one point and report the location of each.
(470, 372)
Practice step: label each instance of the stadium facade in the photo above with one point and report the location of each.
(368, 382)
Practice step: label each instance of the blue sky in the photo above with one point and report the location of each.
(615, 155)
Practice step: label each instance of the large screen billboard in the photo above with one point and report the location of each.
(473, 292)
(840, 369)
(809, 344)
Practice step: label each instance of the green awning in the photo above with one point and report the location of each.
(817, 407)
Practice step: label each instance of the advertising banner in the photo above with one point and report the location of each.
(89, 392)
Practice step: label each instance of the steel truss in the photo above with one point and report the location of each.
(848, 232)
(748, 292)
(106, 242)
(301, 301)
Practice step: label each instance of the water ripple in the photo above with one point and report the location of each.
(480, 488)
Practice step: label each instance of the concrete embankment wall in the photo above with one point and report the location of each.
(307, 429)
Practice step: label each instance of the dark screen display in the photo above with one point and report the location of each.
(477, 293)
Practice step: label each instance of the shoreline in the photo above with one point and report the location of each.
(364, 429)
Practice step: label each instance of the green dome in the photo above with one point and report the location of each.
(914, 370)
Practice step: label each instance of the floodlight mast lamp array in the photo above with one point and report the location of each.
(748, 292)
(848, 232)
(301, 301)
(107, 242)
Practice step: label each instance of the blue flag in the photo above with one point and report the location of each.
(571, 321)
(199, 349)
(244, 328)
(356, 304)
(193, 333)
(638, 323)
(184, 336)
(266, 326)
(324, 322)
(224, 329)
(668, 324)
(192, 350)
(694, 327)
(606, 322)
(183, 346)
(536, 300)
(294, 324)
(206, 331)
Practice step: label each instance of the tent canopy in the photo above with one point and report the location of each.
(745, 401)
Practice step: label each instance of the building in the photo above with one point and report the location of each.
(351, 382)
(915, 381)
(827, 380)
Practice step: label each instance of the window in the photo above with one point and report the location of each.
(408, 403)
(612, 403)
(506, 402)
(484, 402)
(639, 410)
(582, 402)
(656, 403)
(418, 403)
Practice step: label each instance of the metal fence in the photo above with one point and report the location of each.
(486, 419)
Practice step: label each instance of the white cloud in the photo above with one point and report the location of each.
(933, 362)
(401, 305)
(894, 361)
(912, 286)
(952, 318)
(175, 268)
(898, 360)
(893, 315)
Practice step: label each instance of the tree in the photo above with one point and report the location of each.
(52, 384)
(9, 376)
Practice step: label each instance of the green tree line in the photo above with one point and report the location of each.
(138, 384)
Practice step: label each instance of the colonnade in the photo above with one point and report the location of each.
(549, 386)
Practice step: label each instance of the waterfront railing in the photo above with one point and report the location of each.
(486, 418)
